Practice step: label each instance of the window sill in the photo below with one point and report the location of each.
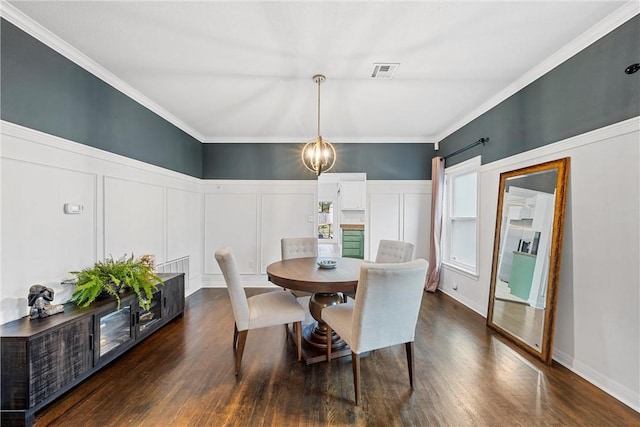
(464, 271)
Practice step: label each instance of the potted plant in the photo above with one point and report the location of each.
(112, 277)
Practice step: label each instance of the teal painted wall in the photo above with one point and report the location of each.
(43, 90)
(282, 161)
(586, 92)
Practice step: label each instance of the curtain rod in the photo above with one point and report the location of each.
(480, 141)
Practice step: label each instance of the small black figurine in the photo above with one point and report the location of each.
(39, 300)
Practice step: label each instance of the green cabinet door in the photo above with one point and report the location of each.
(522, 274)
(353, 244)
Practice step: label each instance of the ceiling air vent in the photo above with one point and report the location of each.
(384, 71)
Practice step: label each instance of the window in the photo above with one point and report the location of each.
(325, 220)
(460, 224)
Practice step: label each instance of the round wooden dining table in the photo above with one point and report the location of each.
(326, 284)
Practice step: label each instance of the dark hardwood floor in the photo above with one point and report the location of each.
(465, 376)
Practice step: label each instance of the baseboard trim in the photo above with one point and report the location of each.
(609, 386)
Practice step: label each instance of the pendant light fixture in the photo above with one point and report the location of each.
(318, 155)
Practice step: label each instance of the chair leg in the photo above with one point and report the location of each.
(298, 327)
(328, 343)
(409, 348)
(355, 364)
(242, 338)
(235, 335)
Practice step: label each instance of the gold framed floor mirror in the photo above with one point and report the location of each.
(526, 255)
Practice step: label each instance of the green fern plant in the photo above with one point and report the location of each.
(114, 276)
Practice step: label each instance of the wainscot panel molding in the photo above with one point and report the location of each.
(184, 226)
(252, 217)
(385, 213)
(41, 244)
(408, 219)
(285, 215)
(134, 218)
(231, 220)
(598, 316)
(36, 234)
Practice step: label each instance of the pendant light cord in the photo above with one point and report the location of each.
(319, 81)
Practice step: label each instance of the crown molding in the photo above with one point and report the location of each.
(34, 29)
(599, 30)
(343, 140)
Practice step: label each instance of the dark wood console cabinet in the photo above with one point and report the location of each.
(41, 359)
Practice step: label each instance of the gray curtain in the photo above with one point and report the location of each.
(437, 183)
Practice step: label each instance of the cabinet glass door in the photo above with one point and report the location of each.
(115, 330)
(148, 318)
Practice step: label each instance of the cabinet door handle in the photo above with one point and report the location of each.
(164, 302)
(91, 342)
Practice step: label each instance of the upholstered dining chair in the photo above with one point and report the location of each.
(391, 251)
(299, 247)
(258, 311)
(385, 312)
(394, 251)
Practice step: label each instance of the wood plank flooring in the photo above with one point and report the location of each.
(465, 376)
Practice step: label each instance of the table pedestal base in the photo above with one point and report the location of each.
(313, 353)
(314, 334)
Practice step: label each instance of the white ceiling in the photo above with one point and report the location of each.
(242, 71)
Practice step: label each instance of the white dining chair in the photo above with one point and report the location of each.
(390, 251)
(394, 251)
(385, 312)
(258, 311)
(298, 247)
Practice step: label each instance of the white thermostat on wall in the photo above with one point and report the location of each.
(70, 208)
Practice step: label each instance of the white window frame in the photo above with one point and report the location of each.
(464, 168)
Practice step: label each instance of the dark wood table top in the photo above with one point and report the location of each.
(304, 274)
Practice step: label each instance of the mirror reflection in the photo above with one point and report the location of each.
(526, 249)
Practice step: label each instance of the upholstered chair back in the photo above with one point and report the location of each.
(394, 251)
(387, 304)
(299, 247)
(239, 303)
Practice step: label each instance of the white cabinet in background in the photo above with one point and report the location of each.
(353, 195)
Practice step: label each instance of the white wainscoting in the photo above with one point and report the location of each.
(399, 210)
(185, 228)
(252, 217)
(285, 215)
(134, 218)
(384, 221)
(231, 220)
(128, 206)
(38, 239)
